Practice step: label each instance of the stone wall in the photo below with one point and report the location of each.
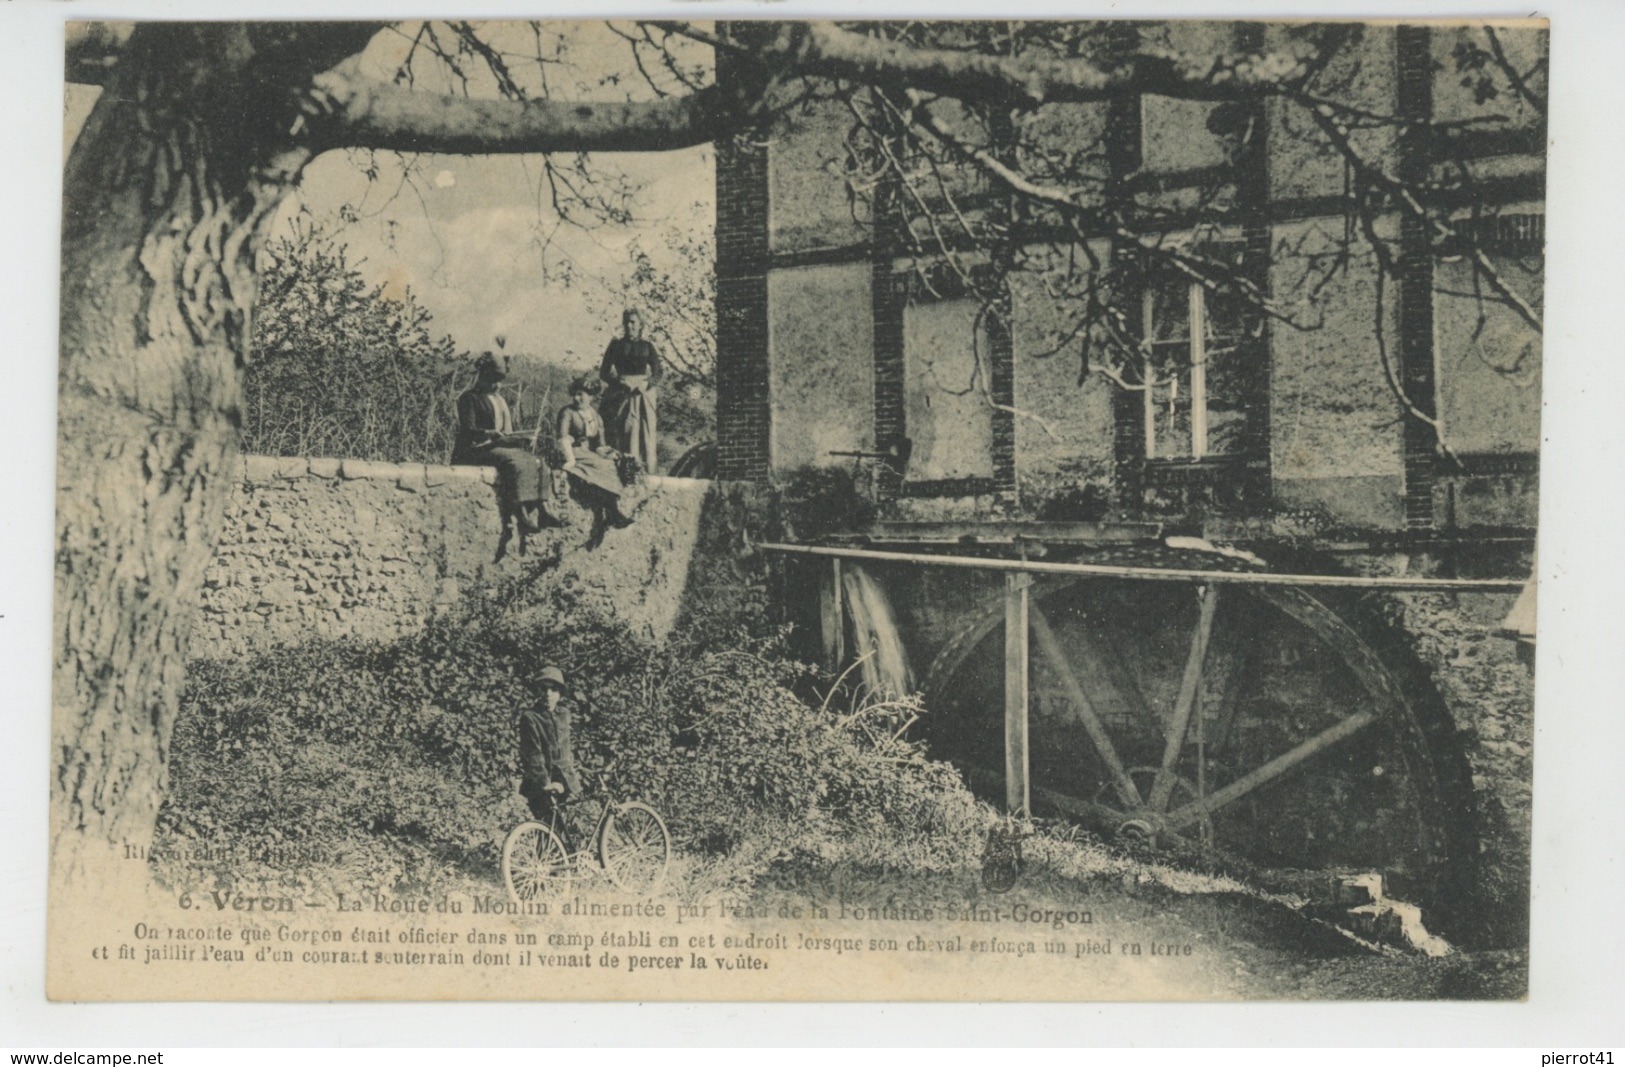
(1490, 695)
(350, 548)
(823, 393)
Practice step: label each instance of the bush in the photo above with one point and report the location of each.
(399, 761)
(340, 369)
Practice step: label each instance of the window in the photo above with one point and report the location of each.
(1187, 137)
(946, 410)
(1195, 352)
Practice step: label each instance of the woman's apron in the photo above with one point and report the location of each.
(631, 419)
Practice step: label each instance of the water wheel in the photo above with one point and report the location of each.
(1281, 731)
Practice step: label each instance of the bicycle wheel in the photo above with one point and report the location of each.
(1001, 862)
(634, 848)
(534, 862)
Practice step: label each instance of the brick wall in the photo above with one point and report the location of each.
(1252, 200)
(889, 293)
(744, 413)
(1122, 144)
(1414, 63)
(1002, 390)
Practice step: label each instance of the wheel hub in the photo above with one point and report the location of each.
(1140, 828)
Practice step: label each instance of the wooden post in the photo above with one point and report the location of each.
(834, 618)
(1017, 789)
(1198, 328)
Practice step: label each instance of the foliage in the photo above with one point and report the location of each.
(1090, 502)
(674, 285)
(820, 501)
(338, 368)
(399, 761)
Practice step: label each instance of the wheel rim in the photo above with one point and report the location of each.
(1352, 747)
(534, 862)
(634, 848)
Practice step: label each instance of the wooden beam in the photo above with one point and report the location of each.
(1192, 813)
(1098, 817)
(1233, 661)
(1017, 788)
(1190, 694)
(1114, 687)
(1164, 574)
(1030, 533)
(1122, 784)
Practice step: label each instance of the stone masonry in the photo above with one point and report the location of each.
(365, 550)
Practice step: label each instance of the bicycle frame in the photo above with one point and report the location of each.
(555, 824)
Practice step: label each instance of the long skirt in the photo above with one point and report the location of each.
(595, 474)
(519, 476)
(629, 420)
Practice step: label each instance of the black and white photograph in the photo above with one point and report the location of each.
(703, 509)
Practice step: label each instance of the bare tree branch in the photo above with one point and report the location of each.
(1033, 79)
(1405, 197)
(1519, 79)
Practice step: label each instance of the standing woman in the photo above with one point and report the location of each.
(631, 374)
(483, 421)
(595, 479)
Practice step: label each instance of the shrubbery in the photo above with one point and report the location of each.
(339, 368)
(400, 760)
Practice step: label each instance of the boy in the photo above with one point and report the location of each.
(545, 759)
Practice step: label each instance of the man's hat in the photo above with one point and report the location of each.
(553, 676)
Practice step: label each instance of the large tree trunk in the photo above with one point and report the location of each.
(168, 189)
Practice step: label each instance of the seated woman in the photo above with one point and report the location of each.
(595, 479)
(485, 439)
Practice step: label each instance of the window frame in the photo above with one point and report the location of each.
(1196, 349)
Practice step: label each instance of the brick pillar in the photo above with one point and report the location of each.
(1415, 278)
(1001, 360)
(888, 295)
(1122, 143)
(1253, 200)
(744, 408)
(1002, 387)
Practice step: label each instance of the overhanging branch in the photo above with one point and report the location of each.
(93, 49)
(352, 110)
(1028, 81)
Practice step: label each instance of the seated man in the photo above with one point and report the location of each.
(484, 429)
(546, 763)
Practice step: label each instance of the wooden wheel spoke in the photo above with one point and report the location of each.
(1190, 691)
(1122, 783)
(1191, 813)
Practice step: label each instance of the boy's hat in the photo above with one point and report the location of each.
(553, 676)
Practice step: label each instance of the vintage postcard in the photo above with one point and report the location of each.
(797, 510)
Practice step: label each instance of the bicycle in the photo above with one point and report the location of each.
(629, 840)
